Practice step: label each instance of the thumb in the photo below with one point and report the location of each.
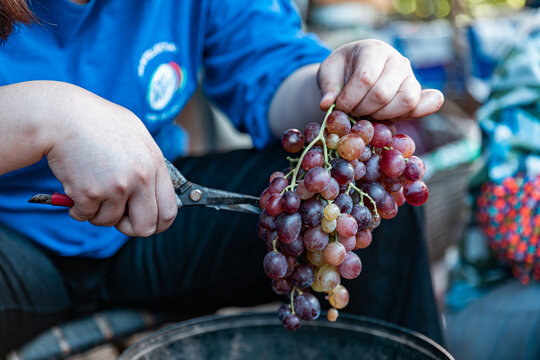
(331, 79)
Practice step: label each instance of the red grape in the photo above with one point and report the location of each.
(292, 140)
(365, 129)
(381, 135)
(311, 131)
(316, 179)
(392, 163)
(415, 192)
(351, 267)
(404, 144)
(338, 123)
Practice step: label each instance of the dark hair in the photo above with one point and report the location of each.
(13, 13)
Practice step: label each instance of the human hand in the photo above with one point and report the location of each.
(107, 161)
(369, 77)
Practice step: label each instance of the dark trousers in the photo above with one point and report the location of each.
(207, 259)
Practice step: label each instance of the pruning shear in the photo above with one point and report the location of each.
(187, 193)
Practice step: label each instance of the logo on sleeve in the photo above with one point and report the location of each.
(164, 83)
(164, 78)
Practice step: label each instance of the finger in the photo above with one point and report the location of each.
(166, 200)
(142, 210)
(370, 65)
(110, 212)
(330, 78)
(431, 101)
(396, 70)
(405, 101)
(85, 206)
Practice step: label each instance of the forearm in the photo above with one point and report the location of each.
(23, 136)
(296, 102)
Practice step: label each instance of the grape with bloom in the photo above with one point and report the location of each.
(350, 174)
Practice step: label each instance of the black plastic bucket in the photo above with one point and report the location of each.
(261, 336)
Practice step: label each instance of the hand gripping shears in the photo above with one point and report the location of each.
(187, 194)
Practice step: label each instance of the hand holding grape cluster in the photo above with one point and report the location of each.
(349, 175)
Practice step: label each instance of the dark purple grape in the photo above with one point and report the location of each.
(290, 201)
(274, 205)
(351, 267)
(375, 222)
(284, 311)
(389, 208)
(315, 238)
(311, 131)
(392, 183)
(291, 323)
(412, 171)
(267, 221)
(275, 265)
(307, 307)
(302, 191)
(261, 231)
(366, 154)
(293, 249)
(292, 140)
(311, 212)
(420, 163)
(344, 202)
(342, 171)
(415, 192)
(282, 286)
(303, 276)
(316, 179)
(359, 170)
(264, 198)
(288, 227)
(291, 264)
(362, 215)
(375, 191)
(373, 168)
(312, 159)
(276, 174)
(270, 236)
(278, 185)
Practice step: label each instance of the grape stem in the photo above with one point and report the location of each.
(274, 242)
(362, 194)
(292, 299)
(319, 137)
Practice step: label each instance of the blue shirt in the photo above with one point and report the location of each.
(146, 56)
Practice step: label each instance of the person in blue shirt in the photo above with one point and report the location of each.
(88, 95)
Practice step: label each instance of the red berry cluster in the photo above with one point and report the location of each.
(350, 174)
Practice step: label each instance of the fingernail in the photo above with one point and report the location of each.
(329, 96)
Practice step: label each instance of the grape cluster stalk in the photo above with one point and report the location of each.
(351, 174)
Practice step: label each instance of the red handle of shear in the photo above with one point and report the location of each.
(56, 199)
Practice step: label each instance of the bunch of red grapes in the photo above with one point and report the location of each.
(350, 174)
